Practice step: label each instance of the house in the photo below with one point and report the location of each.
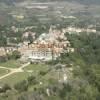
(26, 34)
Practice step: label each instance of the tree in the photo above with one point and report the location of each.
(16, 54)
(30, 38)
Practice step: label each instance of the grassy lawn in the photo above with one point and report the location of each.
(32, 69)
(17, 77)
(3, 71)
(37, 67)
(11, 64)
(14, 78)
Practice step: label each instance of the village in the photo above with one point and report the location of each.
(46, 47)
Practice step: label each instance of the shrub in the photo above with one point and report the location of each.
(32, 80)
(21, 86)
(5, 88)
(42, 73)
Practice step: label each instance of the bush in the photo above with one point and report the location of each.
(42, 73)
(32, 80)
(22, 86)
(5, 88)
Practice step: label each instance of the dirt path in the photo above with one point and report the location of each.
(6, 68)
(14, 70)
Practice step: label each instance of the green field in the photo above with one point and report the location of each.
(3, 71)
(17, 77)
(14, 78)
(32, 69)
(11, 64)
(37, 67)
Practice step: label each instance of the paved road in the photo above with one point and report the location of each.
(14, 70)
